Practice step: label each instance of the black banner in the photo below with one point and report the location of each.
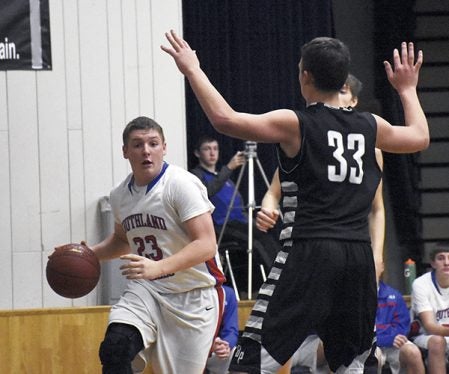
(25, 35)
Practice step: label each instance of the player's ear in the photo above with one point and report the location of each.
(196, 153)
(164, 149)
(307, 77)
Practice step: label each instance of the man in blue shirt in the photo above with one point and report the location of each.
(392, 328)
(221, 189)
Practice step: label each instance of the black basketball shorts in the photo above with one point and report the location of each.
(320, 286)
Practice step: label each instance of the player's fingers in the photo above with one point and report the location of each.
(170, 36)
(131, 257)
(411, 54)
(396, 59)
(388, 69)
(261, 227)
(419, 60)
(180, 42)
(404, 53)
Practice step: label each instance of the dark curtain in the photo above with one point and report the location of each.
(250, 50)
(395, 22)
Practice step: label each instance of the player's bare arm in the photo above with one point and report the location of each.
(268, 215)
(403, 76)
(431, 326)
(114, 246)
(376, 218)
(201, 248)
(280, 126)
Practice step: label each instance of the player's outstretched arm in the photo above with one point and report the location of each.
(403, 76)
(280, 126)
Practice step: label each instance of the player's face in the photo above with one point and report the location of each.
(441, 264)
(346, 97)
(208, 154)
(145, 151)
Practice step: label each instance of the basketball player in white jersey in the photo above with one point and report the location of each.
(171, 308)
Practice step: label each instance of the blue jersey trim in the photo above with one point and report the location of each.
(152, 183)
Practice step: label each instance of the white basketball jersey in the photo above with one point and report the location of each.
(428, 296)
(152, 217)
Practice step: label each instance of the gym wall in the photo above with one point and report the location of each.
(60, 132)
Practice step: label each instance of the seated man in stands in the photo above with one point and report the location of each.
(221, 189)
(392, 328)
(430, 303)
(224, 344)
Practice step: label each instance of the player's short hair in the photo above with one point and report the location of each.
(354, 85)
(204, 139)
(438, 248)
(142, 123)
(327, 59)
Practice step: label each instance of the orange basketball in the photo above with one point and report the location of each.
(73, 270)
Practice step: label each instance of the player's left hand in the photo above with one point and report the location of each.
(139, 267)
(185, 58)
(406, 72)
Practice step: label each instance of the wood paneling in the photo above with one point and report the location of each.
(60, 340)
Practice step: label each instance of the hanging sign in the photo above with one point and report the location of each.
(25, 35)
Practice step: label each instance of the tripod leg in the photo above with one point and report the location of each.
(231, 273)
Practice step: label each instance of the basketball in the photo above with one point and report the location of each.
(73, 270)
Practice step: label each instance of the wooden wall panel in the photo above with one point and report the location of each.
(52, 341)
(168, 80)
(5, 219)
(96, 109)
(145, 50)
(52, 125)
(60, 340)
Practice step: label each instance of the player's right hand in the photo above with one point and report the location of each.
(266, 219)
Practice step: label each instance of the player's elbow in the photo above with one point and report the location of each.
(425, 143)
(210, 249)
(224, 122)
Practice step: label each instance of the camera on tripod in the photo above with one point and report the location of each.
(250, 149)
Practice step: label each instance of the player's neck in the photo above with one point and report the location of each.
(331, 99)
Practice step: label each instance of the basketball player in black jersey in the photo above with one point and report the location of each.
(323, 279)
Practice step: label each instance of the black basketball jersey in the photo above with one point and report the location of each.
(328, 188)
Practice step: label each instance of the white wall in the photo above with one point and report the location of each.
(60, 132)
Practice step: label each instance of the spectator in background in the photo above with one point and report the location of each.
(218, 362)
(221, 189)
(430, 303)
(392, 328)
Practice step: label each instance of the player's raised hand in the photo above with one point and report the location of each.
(139, 267)
(185, 58)
(266, 219)
(404, 75)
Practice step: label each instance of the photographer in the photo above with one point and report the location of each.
(220, 189)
